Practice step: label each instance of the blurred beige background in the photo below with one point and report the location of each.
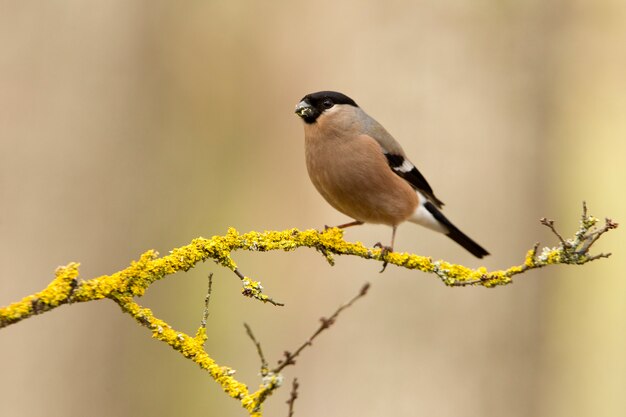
(126, 126)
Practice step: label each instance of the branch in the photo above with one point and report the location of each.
(273, 379)
(123, 286)
(201, 333)
(259, 350)
(293, 396)
(290, 358)
(135, 279)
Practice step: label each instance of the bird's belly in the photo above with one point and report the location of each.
(365, 197)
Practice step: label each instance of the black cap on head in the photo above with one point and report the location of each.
(313, 105)
(335, 96)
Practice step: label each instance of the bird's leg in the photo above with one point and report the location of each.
(343, 226)
(386, 249)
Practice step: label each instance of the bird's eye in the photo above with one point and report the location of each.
(328, 103)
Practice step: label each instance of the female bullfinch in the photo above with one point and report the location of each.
(360, 169)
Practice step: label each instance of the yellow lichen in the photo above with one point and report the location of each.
(553, 256)
(188, 346)
(55, 294)
(514, 270)
(529, 261)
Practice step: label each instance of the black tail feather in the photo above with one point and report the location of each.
(455, 234)
(465, 241)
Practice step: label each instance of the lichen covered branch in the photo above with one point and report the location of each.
(135, 279)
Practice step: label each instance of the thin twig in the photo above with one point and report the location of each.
(205, 315)
(239, 274)
(264, 366)
(201, 332)
(326, 323)
(293, 396)
(254, 289)
(593, 237)
(550, 224)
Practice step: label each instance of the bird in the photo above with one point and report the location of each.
(363, 172)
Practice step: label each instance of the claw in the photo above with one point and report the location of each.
(385, 250)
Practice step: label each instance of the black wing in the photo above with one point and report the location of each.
(405, 169)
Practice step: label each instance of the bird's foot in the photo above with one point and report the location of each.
(343, 226)
(385, 250)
